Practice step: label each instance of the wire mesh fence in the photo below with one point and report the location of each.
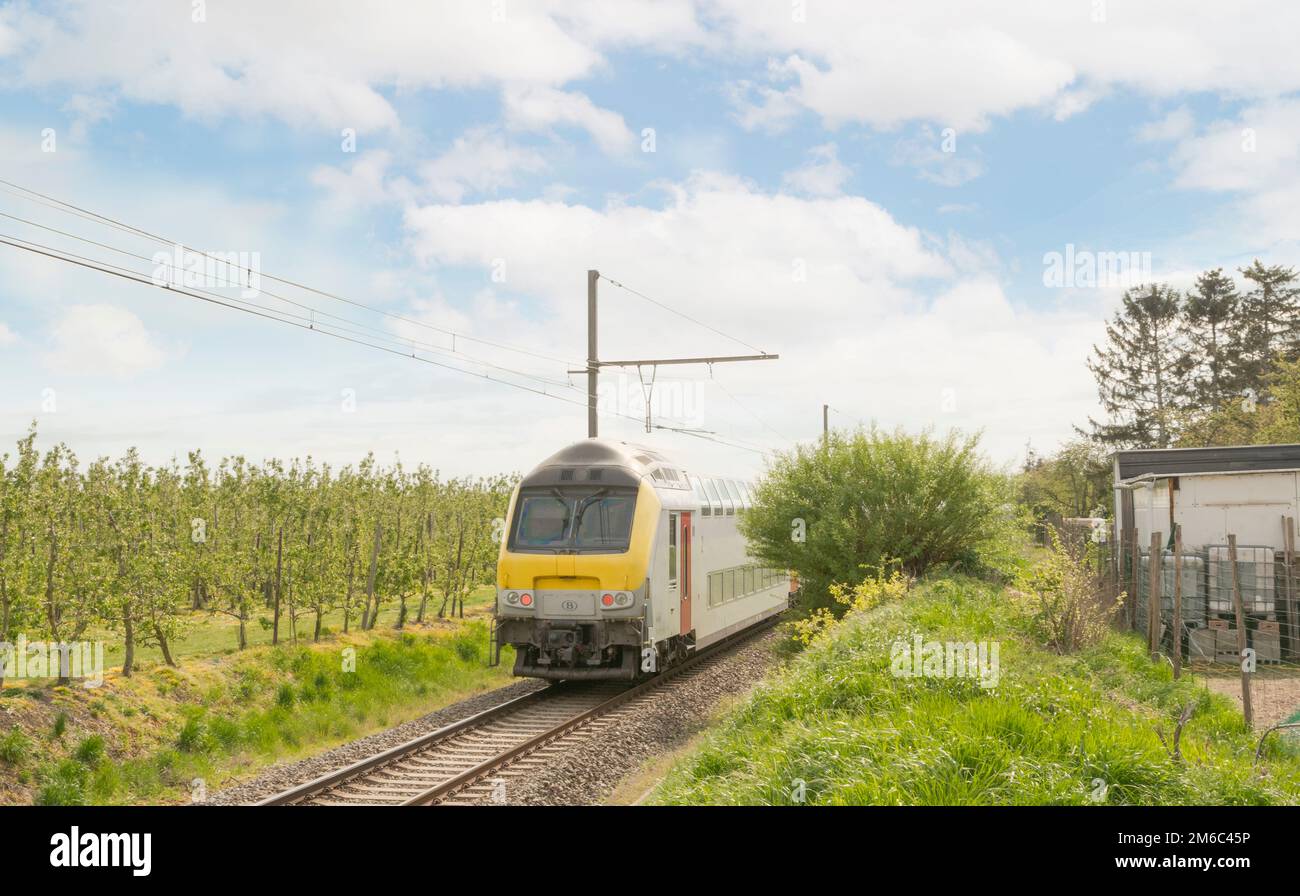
(1206, 626)
(1235, 606)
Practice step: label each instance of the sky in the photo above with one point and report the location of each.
(902, 200)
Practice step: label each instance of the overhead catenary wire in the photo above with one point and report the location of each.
(44, 199)
(386, 335)
(307, 323)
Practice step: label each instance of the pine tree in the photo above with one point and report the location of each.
(1212, 335)
(1271, 315)
(1138, 370)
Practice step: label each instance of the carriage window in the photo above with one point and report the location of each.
(702, 496)
(746, 493)
(711, 486)
(736, 502)
(672, 550)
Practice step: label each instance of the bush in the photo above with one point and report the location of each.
(1063, 598)
(870, 498)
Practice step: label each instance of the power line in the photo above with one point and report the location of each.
(385, 335)
(305, 323)
(70, 208)
(682, 314)
(62, 206)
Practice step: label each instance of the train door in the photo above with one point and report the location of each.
(684, 540)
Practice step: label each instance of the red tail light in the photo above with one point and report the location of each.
(608, 600)
(526, 600)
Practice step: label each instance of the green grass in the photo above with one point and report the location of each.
(14, 747)
(214, 634)
(1056, 730)
(265, 705)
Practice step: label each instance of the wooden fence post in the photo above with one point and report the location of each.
(1153, 597)
(1241, 634)
(1132, 538)
(1178, 601)
(1292, 624)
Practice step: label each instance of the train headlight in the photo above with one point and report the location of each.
(614, 600)
(513, 598)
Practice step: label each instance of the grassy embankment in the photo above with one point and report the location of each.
(1074, 729)
(223, 714)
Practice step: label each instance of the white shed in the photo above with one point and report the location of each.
(1211, 492)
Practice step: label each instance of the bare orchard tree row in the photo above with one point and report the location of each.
(143, 551)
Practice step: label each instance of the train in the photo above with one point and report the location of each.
(617, 562)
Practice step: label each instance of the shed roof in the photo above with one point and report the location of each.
(1191, 461)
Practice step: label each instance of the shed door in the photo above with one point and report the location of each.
(684, 542)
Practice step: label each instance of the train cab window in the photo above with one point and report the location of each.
(736, 501)
(604, 522)
(715, 496)
(672, 550)
(701, 495)
(543, 520)
(568, 519)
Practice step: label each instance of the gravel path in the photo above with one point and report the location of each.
(586, 767)
(281, 777)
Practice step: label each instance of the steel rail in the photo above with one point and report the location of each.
(330, 780)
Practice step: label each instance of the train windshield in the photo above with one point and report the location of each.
(553, 520)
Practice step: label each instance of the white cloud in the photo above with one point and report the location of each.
(480, 161)
(822, 175)
(1255, 160)
(731, 255)
(7, 336)
(960, 64)
(1177, 125)
(541, 108)
(334, 64)
(329, 63)
(102, 339)
(948, 167)
(361, 185)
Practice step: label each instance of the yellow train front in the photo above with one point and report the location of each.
(617, 562)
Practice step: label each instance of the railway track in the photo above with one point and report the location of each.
(457, 764)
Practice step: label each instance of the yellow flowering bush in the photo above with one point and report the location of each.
(886, 585)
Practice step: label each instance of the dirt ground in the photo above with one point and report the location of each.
(1274, 692)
